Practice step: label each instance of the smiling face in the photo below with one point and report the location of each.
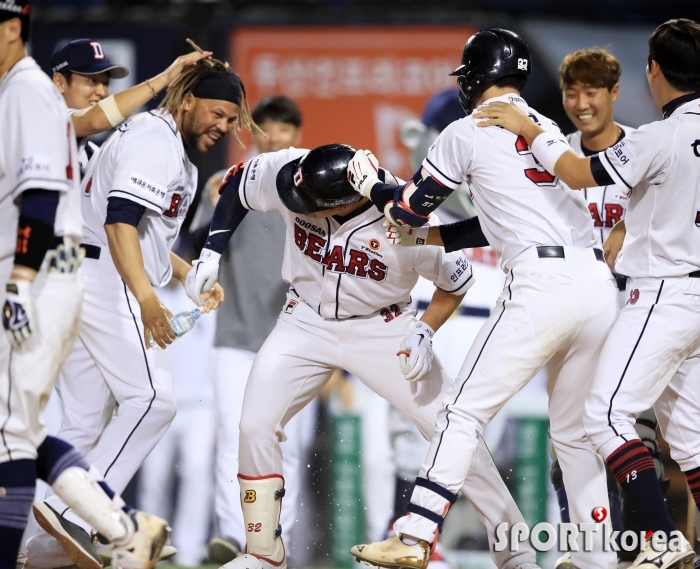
(206, 121)
(589, 108)
(82, 91)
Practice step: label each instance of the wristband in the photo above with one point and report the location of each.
(421, 326)
(547, 148)
(111, 110)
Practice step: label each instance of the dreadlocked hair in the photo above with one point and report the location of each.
(187, 81)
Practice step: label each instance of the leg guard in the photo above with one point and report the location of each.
(80, 490)
(261, 502)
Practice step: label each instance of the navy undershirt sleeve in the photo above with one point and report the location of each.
(463, 234)
(122, 210)
(600, 174)
(228, 215)
(40, 204)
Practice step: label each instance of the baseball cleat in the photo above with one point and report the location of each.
(393, 552)
(142, 551)
(221, 550)
(74, 540)
(528, 565)
(649, 558)
(245, 561)
(564, 562)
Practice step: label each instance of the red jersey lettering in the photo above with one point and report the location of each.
(315, 247)
(357, 266)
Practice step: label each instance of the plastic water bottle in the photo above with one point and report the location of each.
(181, 324)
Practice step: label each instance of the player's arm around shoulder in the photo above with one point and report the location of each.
(547, 143)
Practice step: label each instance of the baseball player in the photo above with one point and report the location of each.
(81, 72)
(557, 306)
(39, 263)
(589, 82)
(651, 355)
(251, 277)
(135, 194)
(346, 308)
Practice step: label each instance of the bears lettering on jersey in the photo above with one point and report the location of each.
(358, 262)
(613, 214)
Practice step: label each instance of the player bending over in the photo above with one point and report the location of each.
(41, 230)
(557, 306)
(652, 354)
(347, 307)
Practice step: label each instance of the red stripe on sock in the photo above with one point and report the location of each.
(631, 456)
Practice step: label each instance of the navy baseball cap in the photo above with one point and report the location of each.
(84, 56)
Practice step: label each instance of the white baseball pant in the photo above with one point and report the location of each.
(554, 312)
(651, 357)
(27, 377)
(231, 370)
(297, 360)
(118, 397)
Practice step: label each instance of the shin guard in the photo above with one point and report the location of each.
(81, 491)
(261, 502)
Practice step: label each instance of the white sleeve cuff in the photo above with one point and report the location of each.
(548, 149)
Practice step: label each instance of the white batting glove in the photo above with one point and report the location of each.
(18, 317)
(406, 236)
(362, 172)
(416, 353)
(203, 275)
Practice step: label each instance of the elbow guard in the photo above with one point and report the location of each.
(229, 212)
(424, 194)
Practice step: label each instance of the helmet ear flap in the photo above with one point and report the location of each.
(471, 86)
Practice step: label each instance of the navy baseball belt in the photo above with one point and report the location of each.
(557, 251)
(91, 251)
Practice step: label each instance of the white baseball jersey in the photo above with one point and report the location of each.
(658, 165)
(37, 151)
(347, 269)
(86, 149)
(143, 161)
(607, 204)
(519, 203)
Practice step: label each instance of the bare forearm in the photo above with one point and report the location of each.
(180, 267)
(94, 120)
(125, 248)
(441, 307)
(434, 237)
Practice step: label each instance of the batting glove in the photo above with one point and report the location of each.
(416, 353)
(362, 172)
(406, 236)
(18, 313)
(203, 275)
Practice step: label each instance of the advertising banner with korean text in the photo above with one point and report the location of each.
(355, 85)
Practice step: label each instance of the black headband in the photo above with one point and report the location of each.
(220, 85)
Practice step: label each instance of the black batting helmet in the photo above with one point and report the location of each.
(318, 180)
(487, 56)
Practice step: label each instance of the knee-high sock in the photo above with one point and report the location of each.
(17, 482)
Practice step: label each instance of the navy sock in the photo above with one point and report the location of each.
(633, 468)
(127, 508)
(17, 482)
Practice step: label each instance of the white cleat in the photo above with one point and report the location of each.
(649, 558)
(245, 561)
(564, 562)
(528, 565)
(143, 550)
(105, 552)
